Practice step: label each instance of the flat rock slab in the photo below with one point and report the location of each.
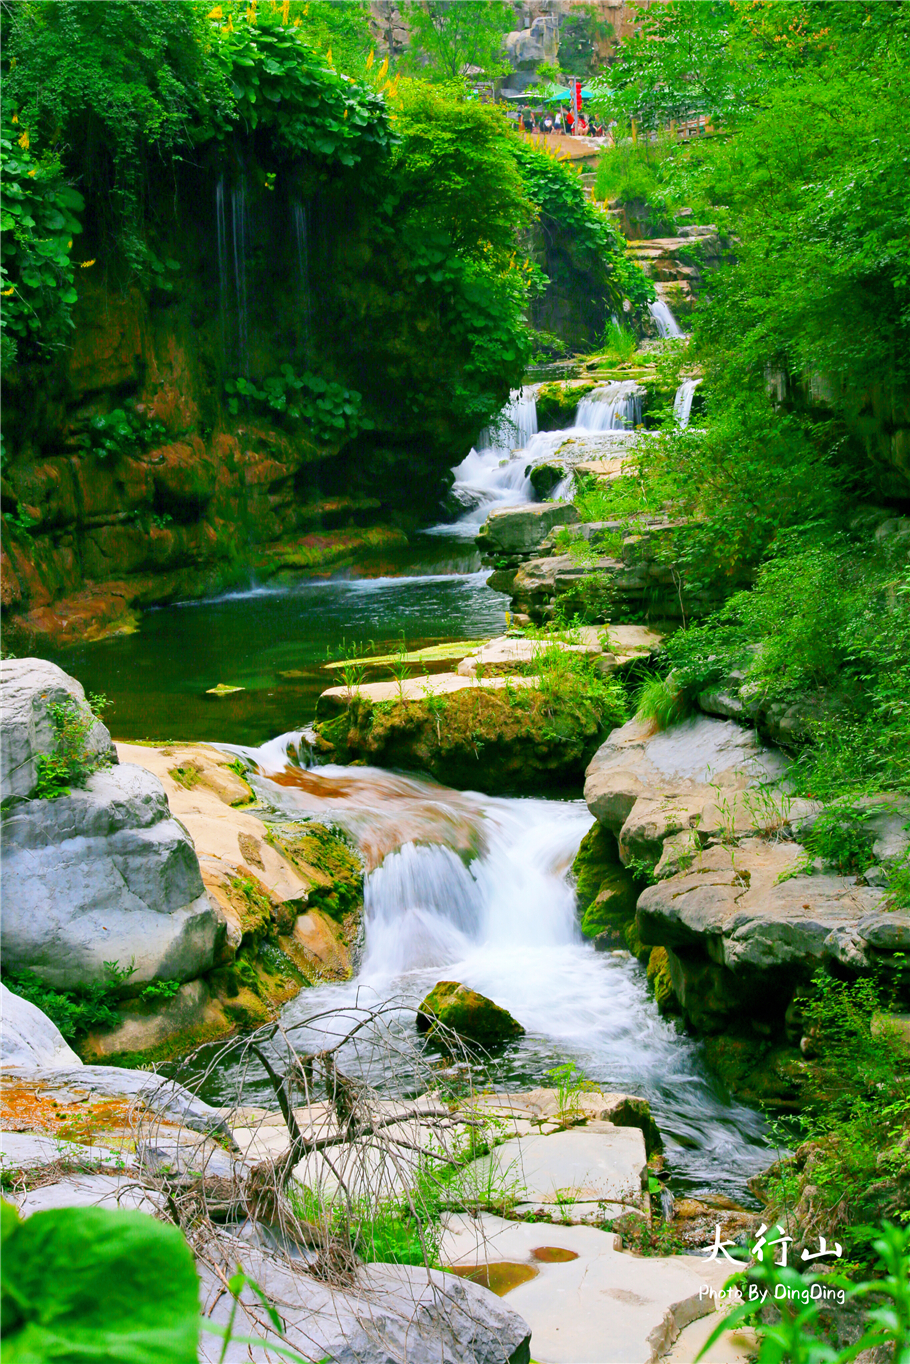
(214, 824)
(26, 1150)
(517, 530)
(645, 786)
(90, 1191)
(606, 1170)
(166, 1099)
(604, 1307)
(736, 899)
(416, 689)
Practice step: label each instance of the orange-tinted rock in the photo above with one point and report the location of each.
(107, 341)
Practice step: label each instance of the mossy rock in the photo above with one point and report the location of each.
(598, 854)
(478, 739)
(319, 848)
(470, 1015)
(556, 402)
(658, 972)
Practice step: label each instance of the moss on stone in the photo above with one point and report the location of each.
(494, 741)
(556, 402)
(315, 847)
(597, 855)
(470, 1015)
(659, 978)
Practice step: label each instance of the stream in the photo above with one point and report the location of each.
(460, 885)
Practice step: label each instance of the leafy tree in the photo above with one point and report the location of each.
(452, 39)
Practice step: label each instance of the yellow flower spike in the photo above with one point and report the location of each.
(369, 61)
(23, 141)
(33, 173)
(84, 264)
(285, 12)
(216, 13)
(15, 116)
(328, 56)
(383, 70)
(5, 293)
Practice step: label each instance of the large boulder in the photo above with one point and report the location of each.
(742, 928)
(646, 786)
(519, 530)
(28, 686)
(104, 874)
(470, 1015)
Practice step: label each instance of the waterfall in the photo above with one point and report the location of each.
(238, 224)
(232, 260)
(664, 320)
(474, 888)
(682, 403)
(493, 474)
(304, 301)
(515, 425)
(221, 235)
(613, 407)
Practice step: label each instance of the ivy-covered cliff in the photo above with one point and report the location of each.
(255, 309)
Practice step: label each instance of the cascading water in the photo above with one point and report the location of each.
(682, 403)
(492, 474)
(238, 224)
(612, 407)
(232, 269)
(304, 301)
(664, 321)
(474, 888)
(497, 473)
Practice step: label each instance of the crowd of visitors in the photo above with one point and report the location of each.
(562, 121)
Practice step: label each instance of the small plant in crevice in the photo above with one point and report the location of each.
(72, 761)
(661, 701)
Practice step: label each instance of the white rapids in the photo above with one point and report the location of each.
(475, 888)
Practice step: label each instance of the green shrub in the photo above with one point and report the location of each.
(71, 763)
(661, 701)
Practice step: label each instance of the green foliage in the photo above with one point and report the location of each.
(75, 1012)
(450, 36)
(329, 410)
(38, 223)
(85, 1283)
(113, 90)
(855, 1119)
(642, 171)
(455, 169)
(619, 343)
(840, 838)
(122, 432)
(594, 241)
(799, 1335)
(827, 622)
(303, 105)
(161, 989)
(82, 1009)
(72, 762)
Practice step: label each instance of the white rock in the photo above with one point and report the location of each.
(22, 1150)
(27, 687)
(605, 1170)
(604, 1307)
(28, 1037)
(104, 874)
